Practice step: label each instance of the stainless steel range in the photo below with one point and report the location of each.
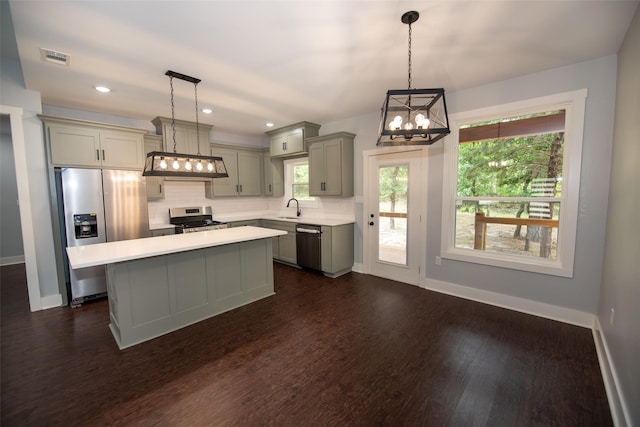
(192, 219)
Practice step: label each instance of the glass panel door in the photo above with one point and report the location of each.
(392, 213)
(394, 203)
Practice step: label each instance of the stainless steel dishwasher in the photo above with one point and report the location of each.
(309, 246)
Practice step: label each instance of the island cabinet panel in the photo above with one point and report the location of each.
(225, 266)
(188, 271)
(256, 279)
(153, 296)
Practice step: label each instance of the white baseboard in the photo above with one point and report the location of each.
(10, 260)
(548, 311)
(51, 301)
(617, 403)
(358, 268)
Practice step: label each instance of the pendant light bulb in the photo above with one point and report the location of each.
(175, 164)
(199, 165)
(187, 165)
(210, 167)
(163, 163)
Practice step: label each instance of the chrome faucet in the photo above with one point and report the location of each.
(297, 204)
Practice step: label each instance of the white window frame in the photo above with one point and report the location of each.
(574, 105)
(288, 181)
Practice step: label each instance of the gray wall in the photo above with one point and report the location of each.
(11, 250)
(583, 290)
(14, 94)
(621, 272)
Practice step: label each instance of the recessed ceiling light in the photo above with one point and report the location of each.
(207, 110)
(269, 124)
(103, 89)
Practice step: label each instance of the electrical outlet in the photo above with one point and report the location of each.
(438, 260)
(611, 316)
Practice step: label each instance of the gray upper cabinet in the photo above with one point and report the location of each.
(186, 135)
(273, 168)
(244, 167)
(331, 165)
(155, 184)
(291, 140)
(86, 144)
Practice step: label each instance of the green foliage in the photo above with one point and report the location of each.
(506, 167)
(392, 183)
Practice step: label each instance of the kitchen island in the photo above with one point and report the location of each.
(159, 284)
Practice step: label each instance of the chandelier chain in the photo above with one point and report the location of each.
(173, 118)
(195, 86)
(409, 87)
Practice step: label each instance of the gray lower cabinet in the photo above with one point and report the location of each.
(337, 249)
(252, 222)
(163, 231)
(153, 296)
(284, 247)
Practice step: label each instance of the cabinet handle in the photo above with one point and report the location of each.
(241, 188)
(103, 157)
(160, 188)
(97, 154)
(270, 188)
(284, 146)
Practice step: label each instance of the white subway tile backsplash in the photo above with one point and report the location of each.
(188, 193)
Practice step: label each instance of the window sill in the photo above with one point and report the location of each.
(513, 262)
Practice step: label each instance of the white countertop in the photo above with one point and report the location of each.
(126, 250)
(328, 221)
(332, 222)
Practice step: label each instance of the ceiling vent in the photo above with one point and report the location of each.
(48, 55)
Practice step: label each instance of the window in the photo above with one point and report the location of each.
(297, 181)
(510, 190)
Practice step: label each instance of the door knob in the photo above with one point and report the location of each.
(370, 222)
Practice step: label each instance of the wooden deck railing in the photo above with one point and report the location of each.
(482, 221)
(392, 215)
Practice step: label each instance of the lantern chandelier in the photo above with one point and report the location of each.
(413, 116)
(160, 163)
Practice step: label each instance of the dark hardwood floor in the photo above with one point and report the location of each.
(357, 350)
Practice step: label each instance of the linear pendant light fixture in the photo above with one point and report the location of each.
(160, 163)
(413, 116)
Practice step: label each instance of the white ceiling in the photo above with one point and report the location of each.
(288, 61)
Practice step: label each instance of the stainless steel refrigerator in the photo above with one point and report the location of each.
(99, 206)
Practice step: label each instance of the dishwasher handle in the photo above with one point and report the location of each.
(308, 230)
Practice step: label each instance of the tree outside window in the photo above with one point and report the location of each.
(511, 184)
